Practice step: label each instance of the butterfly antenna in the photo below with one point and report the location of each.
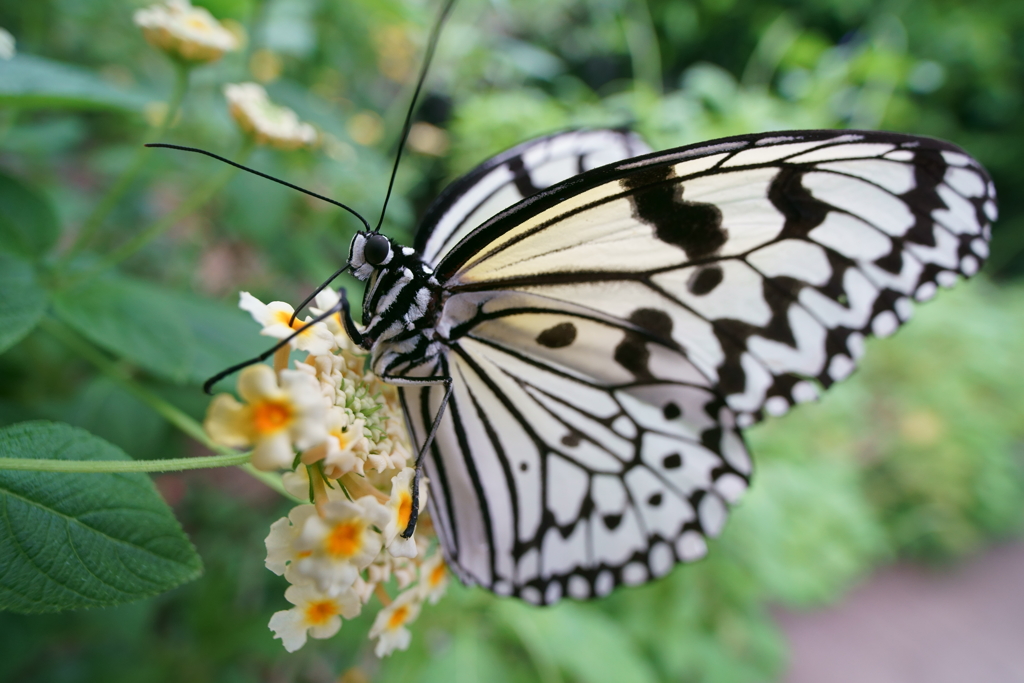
(435, 34)
(322, 287)
(352, 211)
(208, 384)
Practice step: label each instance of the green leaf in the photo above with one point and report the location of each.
(35, 82)
(28, 223)
(22, 300)
(106, 409)
(174, 335)
(579, 640)
(72, 541)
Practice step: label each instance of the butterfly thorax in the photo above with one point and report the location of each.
(401, 302)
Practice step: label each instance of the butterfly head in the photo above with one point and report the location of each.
(369, 251)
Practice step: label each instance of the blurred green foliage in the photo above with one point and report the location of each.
(918, 454)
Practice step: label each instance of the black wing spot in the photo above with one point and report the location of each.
(654, 500)
(523, 466)
(671, 411)
(557, 337)
(694, 227)
(658, 323)
(632, 353)
(672, 462)
(612, 521)
(704, 280)
(803, 211)
(572, 440)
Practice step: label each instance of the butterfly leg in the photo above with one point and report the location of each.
(422, 381)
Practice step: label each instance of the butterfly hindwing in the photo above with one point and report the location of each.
(547, 483)
(609, 334)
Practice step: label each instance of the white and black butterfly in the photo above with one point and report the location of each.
(580, 332)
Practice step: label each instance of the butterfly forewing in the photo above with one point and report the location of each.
(513, 175)
(608, 335)
(772, 261)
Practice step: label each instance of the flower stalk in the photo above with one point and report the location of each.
(167, 465)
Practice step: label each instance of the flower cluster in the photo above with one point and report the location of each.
(337, 432)
(185, 32)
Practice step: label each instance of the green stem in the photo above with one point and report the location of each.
(176, 417)
(169, 465)
(106, 205)
(197, 199)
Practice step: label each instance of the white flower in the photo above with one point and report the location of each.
(389, 626)
(405, 572)
(325, 300)
(346, 445)
(400, 511)
(281, 551)
(275, 317)
(363, 589)
(6, 44)
(186, 32)
(341, 542)
(297, 484)
(269, 123)
(315, 614)
(275, 418)
(433, 578)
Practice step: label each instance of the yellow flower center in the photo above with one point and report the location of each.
(342, 437)
(404, 509)
(320, 612)
(284, 318)
(398, 617)
(270, 417)
(345, 539)
(437, 575)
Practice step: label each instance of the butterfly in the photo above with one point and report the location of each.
(583, 328)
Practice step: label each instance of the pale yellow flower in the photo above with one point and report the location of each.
(268, 123)
(341, 542)
(314, 614)
(390, 625)
(185, 32)
(275, 318)
(275, 418)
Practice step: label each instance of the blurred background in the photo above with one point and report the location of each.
(910, 472)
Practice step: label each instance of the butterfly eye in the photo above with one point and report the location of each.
(377, 249)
